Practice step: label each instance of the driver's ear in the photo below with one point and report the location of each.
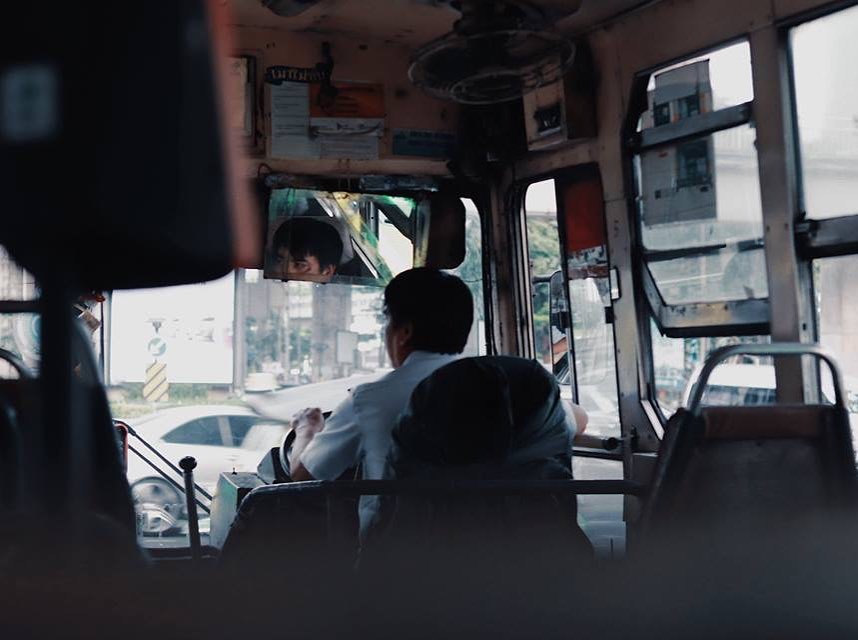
(328, 270)
(406, 331)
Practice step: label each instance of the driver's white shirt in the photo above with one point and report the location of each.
(358, 431)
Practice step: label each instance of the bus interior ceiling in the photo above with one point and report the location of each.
(326, 95)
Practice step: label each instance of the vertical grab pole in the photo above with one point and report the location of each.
(188, 464)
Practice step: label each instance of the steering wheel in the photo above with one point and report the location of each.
(17, 364)
(286, 448)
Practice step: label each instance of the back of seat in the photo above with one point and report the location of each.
(299, 527)
(487, 418)
(732, 472)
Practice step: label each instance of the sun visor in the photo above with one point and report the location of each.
(115, 169)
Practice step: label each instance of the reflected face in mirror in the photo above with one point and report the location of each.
(306, 249)
(305, 268)
(339, 237)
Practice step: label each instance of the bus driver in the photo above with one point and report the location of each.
(429, 315)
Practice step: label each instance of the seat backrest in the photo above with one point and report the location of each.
(487, 418)
(295, 527)
(751, 468)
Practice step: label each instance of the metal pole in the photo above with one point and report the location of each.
(188, 464)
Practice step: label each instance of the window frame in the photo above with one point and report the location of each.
(815, 237)
(521, 188)
(710, 319)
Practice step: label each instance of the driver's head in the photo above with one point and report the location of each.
(306, 248)
(426, 310)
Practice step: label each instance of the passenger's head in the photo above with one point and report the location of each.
(306, 248)
(427, 310)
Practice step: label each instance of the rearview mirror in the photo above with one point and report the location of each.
(360, 238)
(559, 327)
(353, 238)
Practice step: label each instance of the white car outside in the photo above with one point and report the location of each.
(220, 438)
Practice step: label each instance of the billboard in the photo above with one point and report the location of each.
(189, 328)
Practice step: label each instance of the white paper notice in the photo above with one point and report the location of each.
(351, 138)
(290, 121)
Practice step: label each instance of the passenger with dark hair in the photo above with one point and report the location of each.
(429, 315)
(306, 248)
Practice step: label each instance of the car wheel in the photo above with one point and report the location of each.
(158, 504)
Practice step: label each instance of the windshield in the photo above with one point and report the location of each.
(215, 371)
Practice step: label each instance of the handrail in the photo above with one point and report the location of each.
(161, 457)
(166, 477)
(718, 356)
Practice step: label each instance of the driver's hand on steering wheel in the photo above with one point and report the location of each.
(308, 423)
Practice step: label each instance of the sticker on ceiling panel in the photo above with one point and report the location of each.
(423, 144)
(279, 74)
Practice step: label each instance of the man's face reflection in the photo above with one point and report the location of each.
(306, 267)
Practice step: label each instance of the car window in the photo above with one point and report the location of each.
(239, 427)
(205, 431)
(262, 436)
(251, 432)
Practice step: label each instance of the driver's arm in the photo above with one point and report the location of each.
(575, 414)
(581, 418)
(323, 450)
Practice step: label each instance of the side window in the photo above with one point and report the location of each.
(701, 228)
(202, 431)
(543, 250)
(591, 380)
(826, 104)
(471, 272)
(699, 199)
(677, 361)
(19, 332)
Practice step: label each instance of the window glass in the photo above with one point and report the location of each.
(739, 381)
(701, 218)
(543, 249)
(19, 335)
(834, 279)
(471, 273)
(595, 363)
(15, 282)
(699, 199)
(826, 99)
(713, 81)
(595, 360)
(19, 332)
(202, 431)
